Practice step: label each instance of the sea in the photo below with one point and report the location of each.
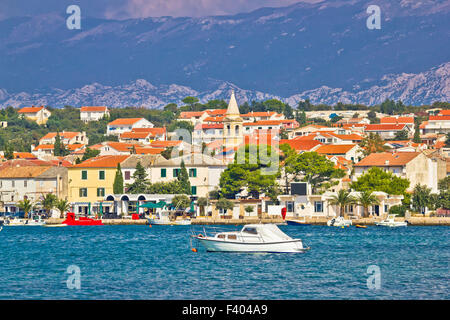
(143, 262)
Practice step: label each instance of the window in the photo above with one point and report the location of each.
(386, 208)
(13, 183)
(193, 173)
(127, 175)
(100, 192)
(84, 175)
(250, 230)
(194, 190)
(163, 173)
(25, 183)
(83, 192)
(175, 172)
(318, 206)
(101, 175)
(290, 206)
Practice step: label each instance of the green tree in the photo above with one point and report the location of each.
(365, 200)
(57, 145)
(202, 202)
(444, 184)
(190, 101)
(416, 138)
(181, 201)
(401, 135)
(372, 144)
(421, 198)
(170, 187)
(49, 201)
(376, 179)
(25, 205)
(89, 153)
(249, 209)
(9, 152)
(118, 181)
(315, 169)
(341, 200)
(63, 206)
(140, 183)
(224, 204)
(183, 178)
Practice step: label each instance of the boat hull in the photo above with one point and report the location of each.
(392, 225)
(296, 223)
(215, 245)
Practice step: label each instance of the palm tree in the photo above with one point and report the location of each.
(365, 200)
(48, 202)
(26, 206)
(342, 199)
(62, 205)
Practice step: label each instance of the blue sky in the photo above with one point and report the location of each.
(123, 9)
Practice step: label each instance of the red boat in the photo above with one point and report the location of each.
(81, 221)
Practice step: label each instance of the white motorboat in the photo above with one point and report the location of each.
(15, 222)
(33, 222)
(390, 222)
(251, 238)
(163, 218)
(339, 222)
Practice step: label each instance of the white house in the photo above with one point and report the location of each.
(93, 113)
(38, 114)
(121, 125)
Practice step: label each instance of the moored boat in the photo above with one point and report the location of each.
(339, 222)
(81, 221)
(296, 222)
(251, 238)
(390, 222)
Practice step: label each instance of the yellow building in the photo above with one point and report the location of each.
(38, 114)
(90, 181)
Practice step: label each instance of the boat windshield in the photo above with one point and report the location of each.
(250, 230)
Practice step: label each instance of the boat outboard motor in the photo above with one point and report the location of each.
(332, 221)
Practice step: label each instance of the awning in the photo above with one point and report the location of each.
(152, 205)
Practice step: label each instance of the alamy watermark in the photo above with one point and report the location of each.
(73, 22)
(374, 20)
(374, 280)
(74, 279)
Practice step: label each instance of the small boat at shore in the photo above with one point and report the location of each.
(251, 238)
(17, 222)
(163, 218)
(296, 222)
(339, 222)
(81, 221)
(390, 222)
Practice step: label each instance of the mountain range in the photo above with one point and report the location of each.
(320, 51)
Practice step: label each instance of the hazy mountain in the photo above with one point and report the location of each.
(323, 51)
(426, 87)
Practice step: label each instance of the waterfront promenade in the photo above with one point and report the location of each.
(413, 221)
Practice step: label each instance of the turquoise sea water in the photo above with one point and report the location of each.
(139, 262)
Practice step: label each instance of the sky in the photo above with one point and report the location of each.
(125, 9)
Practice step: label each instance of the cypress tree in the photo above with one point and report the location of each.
(118, 181)
(140, 183)
(57, 145)
(416, 138)
(183, 177)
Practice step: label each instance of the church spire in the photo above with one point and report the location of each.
(233, 109)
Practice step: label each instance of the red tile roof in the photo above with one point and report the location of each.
(397, 120)
(152, 131)
(191, 114)
(135, 135)
(124, 121)
(30, 109)
(384, 159)
(64, 134)
(102, 162)
(335, 148)
(444, 112)
(439, 118)
(384, 127)
(165, 144)
(93, 109)
(301, 145)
